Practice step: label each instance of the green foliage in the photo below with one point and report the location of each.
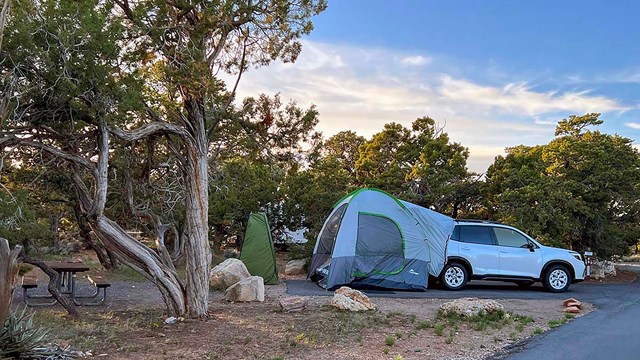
(449, 339)
(555, 323)
(21, 338)
(390, 340)
(424, 324)
(537, 331)
(438, 329)
(579, 191)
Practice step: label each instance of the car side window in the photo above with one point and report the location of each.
(475, 235)
(511, 238)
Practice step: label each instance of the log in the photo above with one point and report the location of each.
(8, 271)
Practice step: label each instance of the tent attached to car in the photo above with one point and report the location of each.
(257, 251)
(372, 239)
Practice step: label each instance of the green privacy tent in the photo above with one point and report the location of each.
(257, 249)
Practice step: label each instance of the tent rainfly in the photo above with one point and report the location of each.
(372, 239)
(257, 251)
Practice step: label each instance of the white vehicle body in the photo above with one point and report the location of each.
(494, 251)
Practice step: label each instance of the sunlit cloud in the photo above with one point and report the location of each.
(633, 125)
(417, 60)
(361, 89)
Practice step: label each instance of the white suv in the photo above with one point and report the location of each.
(493, 251)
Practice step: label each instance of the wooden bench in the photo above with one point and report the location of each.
(32, 283)
(98, 281)
(100, 284)
(29, 283)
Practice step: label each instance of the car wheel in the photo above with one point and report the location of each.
(557, 279)
(525, 283)
(454, 276)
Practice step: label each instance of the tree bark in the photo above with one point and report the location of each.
(107, 259)
(8, 272)
(143, 260)
(198, 251)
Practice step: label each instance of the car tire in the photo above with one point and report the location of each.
(557, 279)
(454, 276)
(525, 283)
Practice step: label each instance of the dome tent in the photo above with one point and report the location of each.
(257, 252)
(373, 239)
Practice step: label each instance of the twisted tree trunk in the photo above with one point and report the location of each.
(145, 261)
(198, 250)
(8, 272)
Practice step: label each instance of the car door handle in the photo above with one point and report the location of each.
(504, 251)
(465, 248)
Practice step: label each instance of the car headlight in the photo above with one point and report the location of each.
(576, 255)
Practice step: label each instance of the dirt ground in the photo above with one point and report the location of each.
(131, 326)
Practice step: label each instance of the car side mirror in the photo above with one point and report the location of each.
(531, 247)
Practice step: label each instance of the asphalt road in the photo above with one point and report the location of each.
(612, 332)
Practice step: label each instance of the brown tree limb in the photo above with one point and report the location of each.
(54, 283)
(152, 128)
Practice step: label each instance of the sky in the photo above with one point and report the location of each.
(494, 73)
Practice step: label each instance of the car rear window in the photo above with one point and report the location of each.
(475, 234)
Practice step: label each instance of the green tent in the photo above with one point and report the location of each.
(257, 249)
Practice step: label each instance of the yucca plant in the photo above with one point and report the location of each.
(20, 338)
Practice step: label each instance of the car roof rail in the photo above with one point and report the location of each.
(481, 221)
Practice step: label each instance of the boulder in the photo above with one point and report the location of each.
(295, 267)
(245, 290)
(602, 268)
(471, 306)
(227, 273)
(293, 303)
(576, 303)
(572, 310)
(345, 298)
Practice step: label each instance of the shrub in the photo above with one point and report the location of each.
(390, 340)
(21, 338)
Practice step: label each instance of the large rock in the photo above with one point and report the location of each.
(471, 306)
(227, 273)
(293, 303)
(602, 268)
(245, 290)
(346, 298)
(295, 267)
(572, 310)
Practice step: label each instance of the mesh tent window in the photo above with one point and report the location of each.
(330, 232)
(378, 235)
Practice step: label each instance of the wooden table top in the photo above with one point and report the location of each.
(67, 266)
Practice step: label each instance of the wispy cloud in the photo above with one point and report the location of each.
(363, 88)
(416, 60)
(633, 125)
(520, 98)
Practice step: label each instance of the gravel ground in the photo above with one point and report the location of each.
(130, 326)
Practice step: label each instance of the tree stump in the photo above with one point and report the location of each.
(8, 272)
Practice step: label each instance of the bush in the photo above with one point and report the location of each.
(21, 338)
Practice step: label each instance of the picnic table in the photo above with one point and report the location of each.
(66, 285)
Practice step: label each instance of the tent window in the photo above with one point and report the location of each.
(378, 236)
(330, 231)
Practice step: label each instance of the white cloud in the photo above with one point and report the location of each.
(519, 98)
(633, 125)
(361, 89)
(416, 60)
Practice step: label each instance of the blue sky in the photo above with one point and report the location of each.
(494, 73)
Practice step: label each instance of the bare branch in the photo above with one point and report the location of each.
(11, 141)
(156, 127)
